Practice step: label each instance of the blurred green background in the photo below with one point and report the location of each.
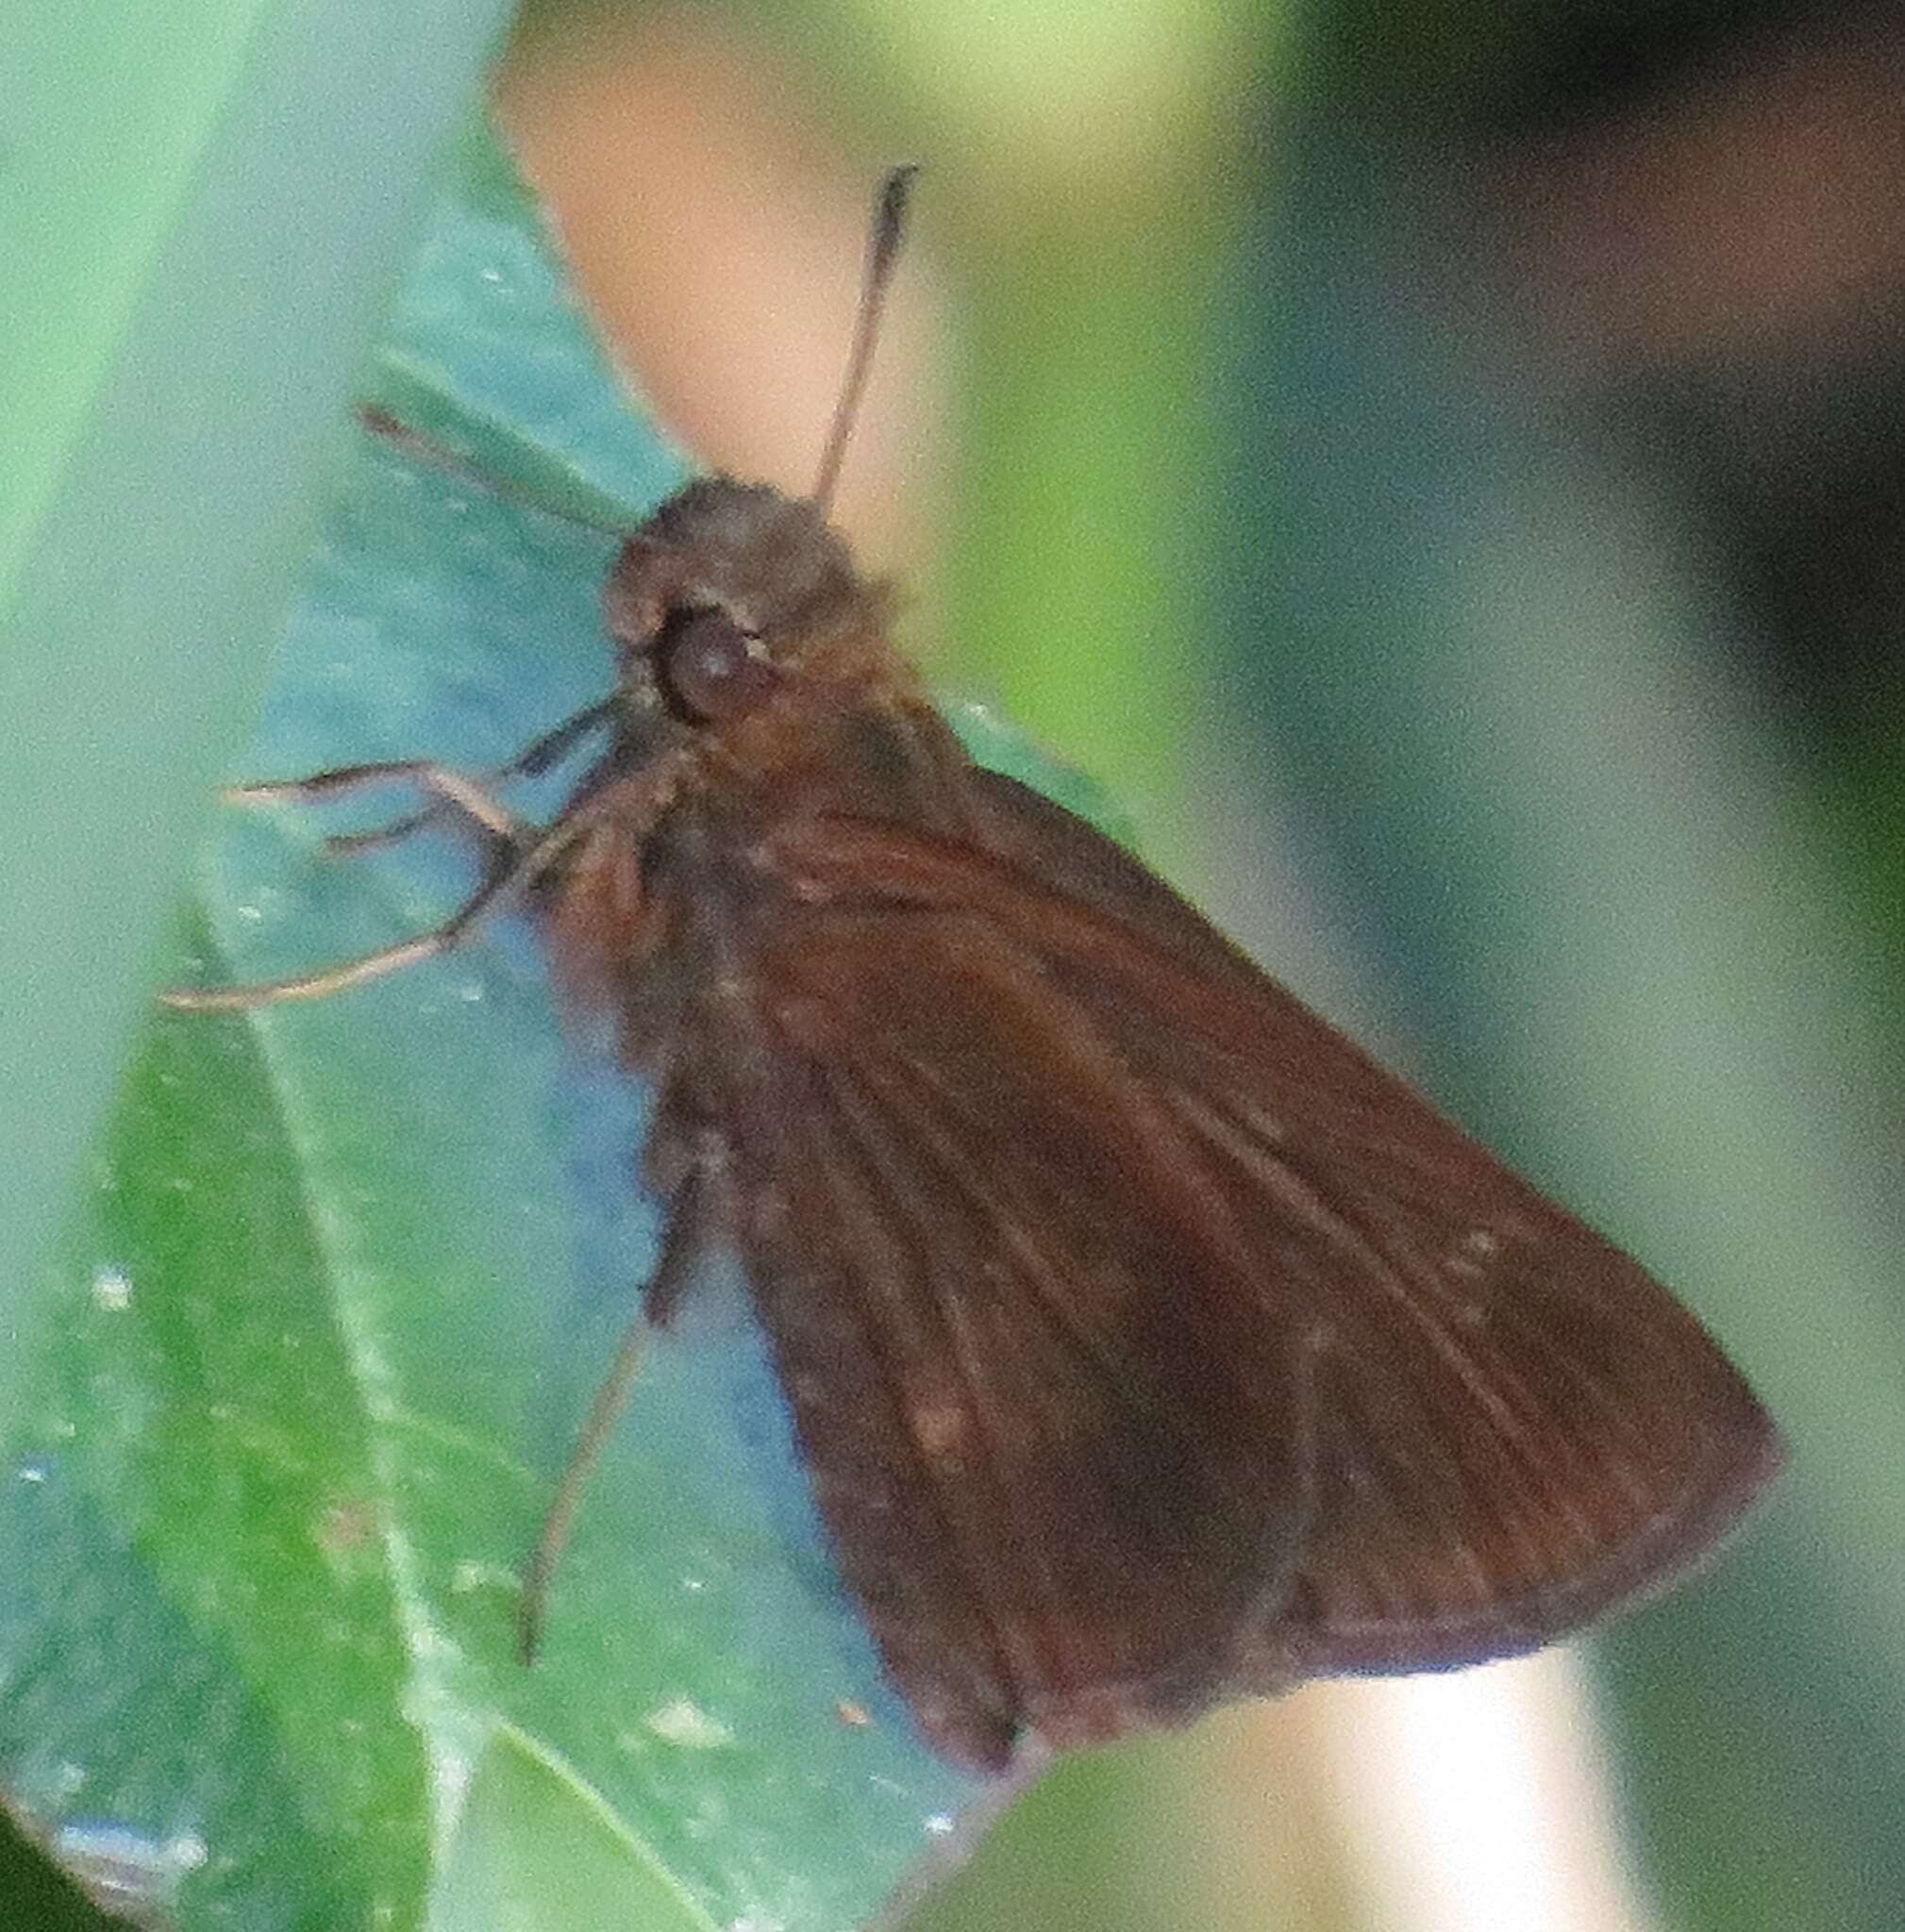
(1437, 467)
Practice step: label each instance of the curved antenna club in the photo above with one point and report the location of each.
(882, 250)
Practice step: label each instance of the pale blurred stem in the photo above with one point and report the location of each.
(1090, 457)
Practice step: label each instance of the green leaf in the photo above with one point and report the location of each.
(539, 1852)
(289, 1410)
(204, 205)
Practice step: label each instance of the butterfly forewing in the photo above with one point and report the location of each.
(1301, 1379)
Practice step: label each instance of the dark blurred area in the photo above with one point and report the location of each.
(1698, 215)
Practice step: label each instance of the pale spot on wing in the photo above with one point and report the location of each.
(1260, 1120)
(1470, 1255)
(941, 1428)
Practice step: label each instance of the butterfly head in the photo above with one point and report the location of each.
(713, 600)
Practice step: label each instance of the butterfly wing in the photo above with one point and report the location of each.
(1055, 1479)
(1192, 1352)
(1517, 1427)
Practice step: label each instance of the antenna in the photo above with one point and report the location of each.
(426, 449)
(882, 250)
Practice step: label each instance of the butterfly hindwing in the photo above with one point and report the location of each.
(1059, 1483)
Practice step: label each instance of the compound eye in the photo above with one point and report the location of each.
(711, 668)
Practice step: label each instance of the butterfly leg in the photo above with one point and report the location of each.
(456, 792)
(692, 1221)
(521, 859)
(535, 757)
